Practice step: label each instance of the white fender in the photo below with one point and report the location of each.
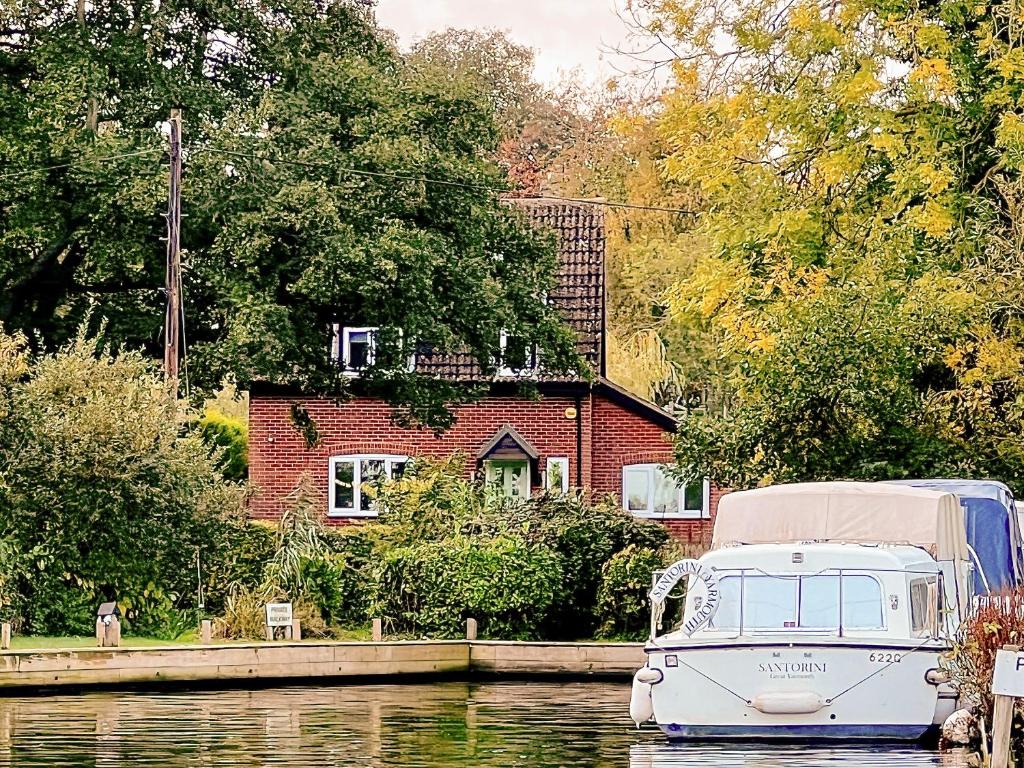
(641, 703)
(788, 703)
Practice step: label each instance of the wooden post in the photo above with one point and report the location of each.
(206, 632)
(5, 635)
(471, 629)
(101, 633)
(270, 632)
(114, 633)
(378, 630)
(1002, 719)
(288, 631)
(296, 630)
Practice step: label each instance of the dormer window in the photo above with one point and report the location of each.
(518, 356)
(355, 349)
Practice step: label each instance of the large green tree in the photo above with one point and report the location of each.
(858, 256)
(306, 136)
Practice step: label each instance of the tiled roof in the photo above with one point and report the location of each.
(579, 283)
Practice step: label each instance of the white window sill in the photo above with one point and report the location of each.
(342, 514)
(689, 515)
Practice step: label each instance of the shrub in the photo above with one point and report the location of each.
(432, 587)
(102, 491)
(230, 436)
(622, 606)
(433, 502)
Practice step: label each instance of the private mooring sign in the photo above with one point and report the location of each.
(673, 574)
(1008, 678)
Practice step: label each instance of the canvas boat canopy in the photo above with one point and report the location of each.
(867, 513)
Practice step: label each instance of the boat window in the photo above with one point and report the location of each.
(923, 601)
(804, 602)
(862, 603)
(819, 602)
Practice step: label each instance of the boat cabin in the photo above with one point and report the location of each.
(825, 589)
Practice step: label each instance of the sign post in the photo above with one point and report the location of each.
(279, 615)
(1007, 685)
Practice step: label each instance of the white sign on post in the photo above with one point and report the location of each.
(1008, 678)
(279, 614)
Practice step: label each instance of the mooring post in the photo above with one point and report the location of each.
(471, 629)
(378, 630)
(206, 632)
(296, 630)
(101, 633)
(5, 635)
(1002, 712)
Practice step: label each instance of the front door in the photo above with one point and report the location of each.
(511, 477)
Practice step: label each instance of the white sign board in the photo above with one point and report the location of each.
(279, 614)
(1008, 679)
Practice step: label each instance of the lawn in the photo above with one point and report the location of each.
(32, 642)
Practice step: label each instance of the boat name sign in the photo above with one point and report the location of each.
(672, 575)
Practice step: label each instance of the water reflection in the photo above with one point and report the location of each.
(539, 725)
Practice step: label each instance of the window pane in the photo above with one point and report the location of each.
(398, 469)
(694, 497)
(769, 602)
(371, 473)
(862, 603)
(344, 472)
(636, 490)
(519, 483)
(359, 349)
(666, 493)
(923, 597)
(517, 354)
(819, 602)
(728, 614)
(556, 474)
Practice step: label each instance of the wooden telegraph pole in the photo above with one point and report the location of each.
(172, 322)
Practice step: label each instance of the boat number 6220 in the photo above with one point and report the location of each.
(885, 658)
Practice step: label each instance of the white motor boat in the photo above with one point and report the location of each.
(830, 635)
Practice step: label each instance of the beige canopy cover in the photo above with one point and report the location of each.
(848, 512)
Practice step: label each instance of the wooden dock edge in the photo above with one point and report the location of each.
(127, 666)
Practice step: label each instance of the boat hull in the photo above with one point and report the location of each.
(794, 692)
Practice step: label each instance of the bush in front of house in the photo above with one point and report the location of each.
(622, 607)
(430, 588)
(104, 494)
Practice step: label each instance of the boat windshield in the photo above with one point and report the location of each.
(815, 602)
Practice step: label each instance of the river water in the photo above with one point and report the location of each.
(534, 725)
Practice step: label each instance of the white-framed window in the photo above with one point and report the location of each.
(355, 349)
(352, 479)
(511, 477)
(518, 356)
(649, 491)
(556, 476)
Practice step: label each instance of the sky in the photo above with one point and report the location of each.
(565, 34)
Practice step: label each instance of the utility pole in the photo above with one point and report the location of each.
(172, 322)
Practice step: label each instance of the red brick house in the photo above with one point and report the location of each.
(575, 434)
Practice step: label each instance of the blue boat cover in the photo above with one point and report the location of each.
(993, 531)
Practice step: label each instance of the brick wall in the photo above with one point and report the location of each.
(612, 436)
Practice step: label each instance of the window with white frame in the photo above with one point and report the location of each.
(353, 479)
(518, 356)
(556, 478)
(649, 491)
(356, 349)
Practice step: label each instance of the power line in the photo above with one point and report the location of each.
(447, 182)
(79, 161)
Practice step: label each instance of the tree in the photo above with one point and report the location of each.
(103, 494)
(306, 135)
(860, 269)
